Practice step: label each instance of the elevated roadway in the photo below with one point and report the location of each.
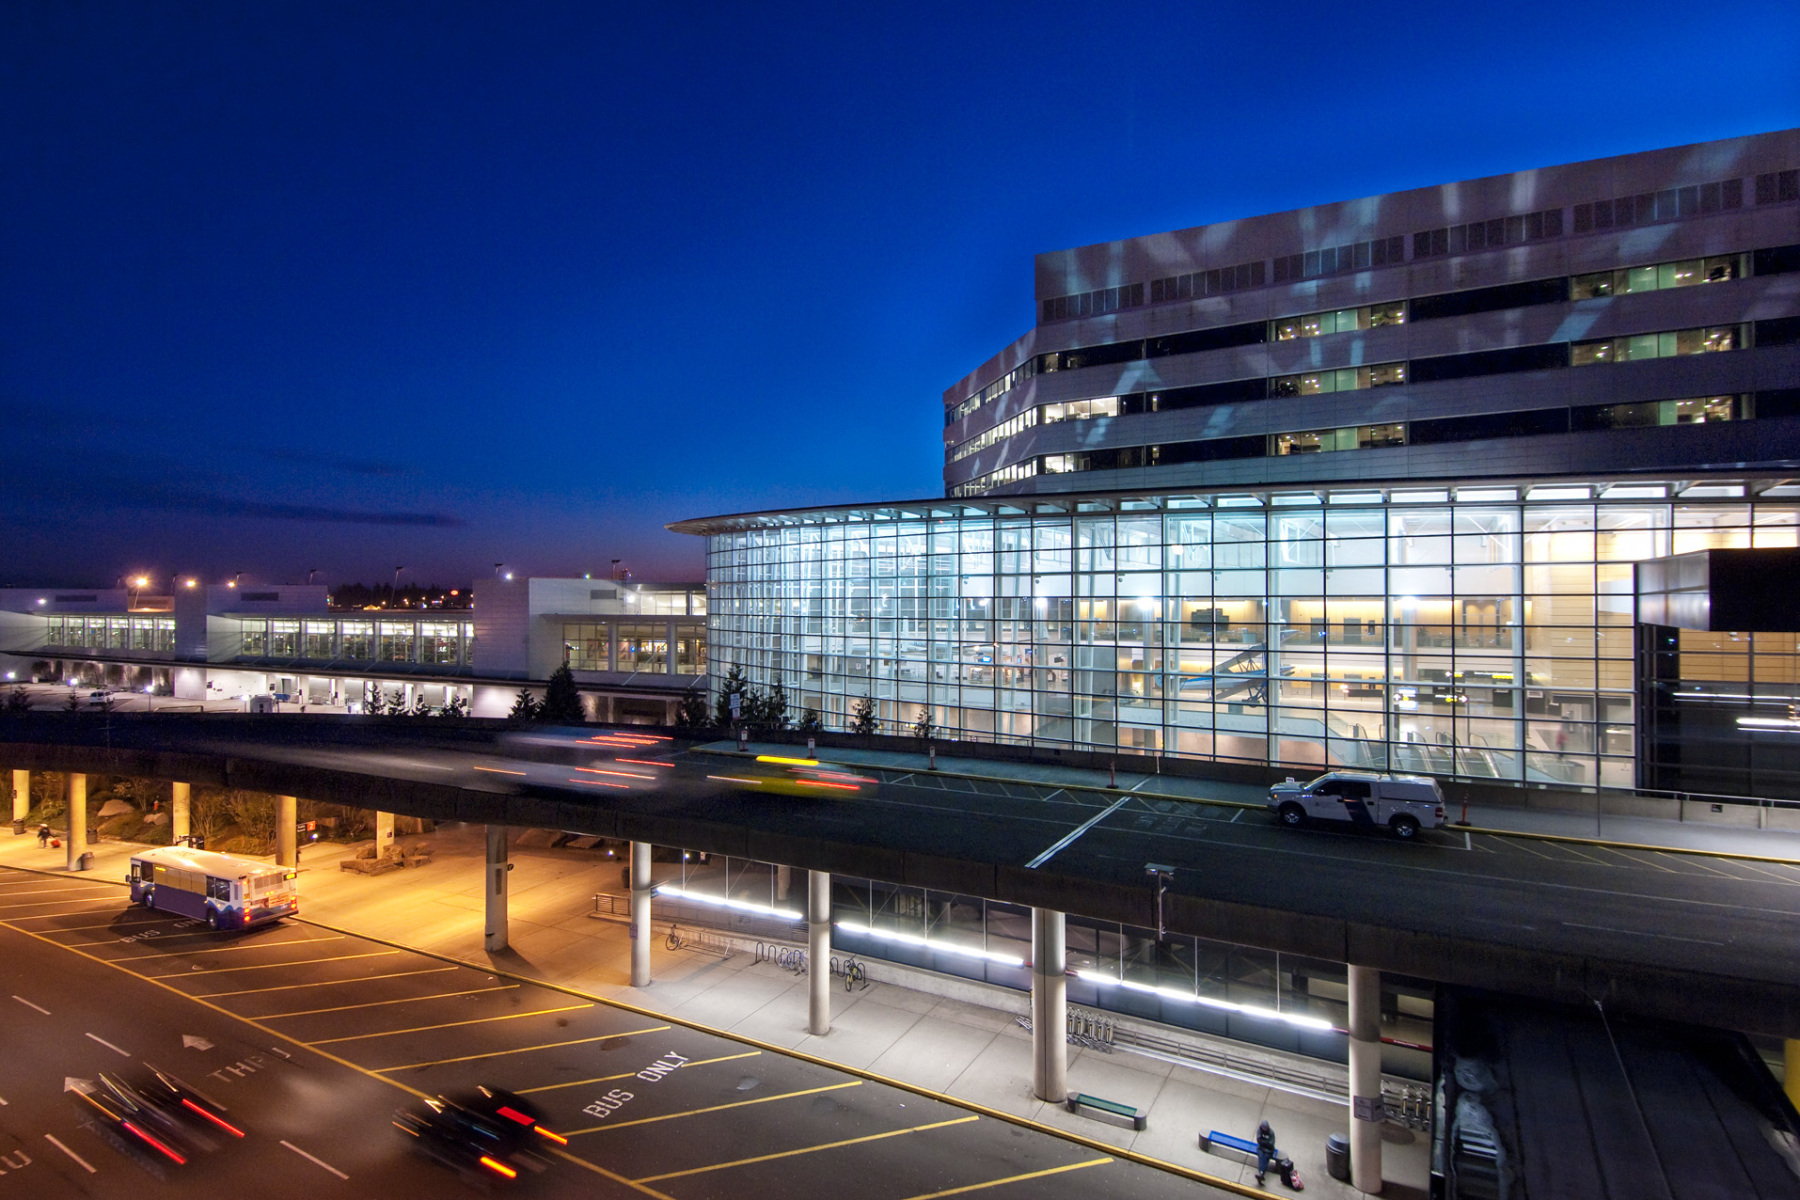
(1688, 937)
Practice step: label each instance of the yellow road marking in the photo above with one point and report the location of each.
(694, 1112)
(360, 1037)
(976, 1187)
(313, 1012)
(112, 924)
(868, 1137)
(41, 903)
(301, 962)
(615, 1177)
(288, 987)
(336, 937)
(1642, 860)
(58, 891)
(699, 1062)
(438, 1062)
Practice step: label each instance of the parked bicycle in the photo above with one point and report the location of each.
(674, 941)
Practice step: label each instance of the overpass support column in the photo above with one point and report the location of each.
(384, 833)
(1049, 1006)
(21, 788)
(640, 914)
(497, 868)
(1366, 1116)
(287, 838)
(1791, 1076)
(181, 802)
(76, 842)
(818, 952)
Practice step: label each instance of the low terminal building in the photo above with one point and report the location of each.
(634, 648)
(1363, 484)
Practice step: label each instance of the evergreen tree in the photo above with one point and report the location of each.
(526, 707)
(772, 709)
(458, 707)
(692, 712)
(863, 719)
(809, 720)
(562, 703)
(735, 685)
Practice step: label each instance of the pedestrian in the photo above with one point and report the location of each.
(43, 836)
(1265, 1150)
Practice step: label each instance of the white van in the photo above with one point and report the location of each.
(1403, 803)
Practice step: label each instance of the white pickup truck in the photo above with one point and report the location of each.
(1404, 804)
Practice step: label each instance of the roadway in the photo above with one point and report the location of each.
(311, 1038)
(1693, 937)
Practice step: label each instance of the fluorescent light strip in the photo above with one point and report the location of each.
(1248, 1010)
(726, 902)
(1787, 724)
(908, 939)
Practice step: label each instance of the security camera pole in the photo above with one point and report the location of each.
(1162, 874)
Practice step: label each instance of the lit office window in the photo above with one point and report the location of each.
(690, 654)
(284, 639)
(1637, 347)
(643, 647)
(395, 641)
(256, 638)
(358, 640)
(1686, 273)
(438, 642)
(1343, 320)
(586, 646)
(320, 640)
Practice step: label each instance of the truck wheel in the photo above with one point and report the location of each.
(1292, 815)
(1405, 828)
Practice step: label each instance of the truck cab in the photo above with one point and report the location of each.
(1403, 804)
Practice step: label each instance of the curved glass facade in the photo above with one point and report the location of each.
(1483, 631)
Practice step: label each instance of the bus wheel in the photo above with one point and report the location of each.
(146, 899)
(212, 919)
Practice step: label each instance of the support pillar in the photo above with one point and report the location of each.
(287, 838)
(181, 808)
(384, 833)
(818, 954)
(1790, 1082)
(1049, 1006)
(76, 841)
(21, 788)
(1366, 1115)
(497, 869)
(784, 879)
(640, 914)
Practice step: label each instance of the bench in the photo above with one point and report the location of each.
(1138, 1117)
(1229, 1141)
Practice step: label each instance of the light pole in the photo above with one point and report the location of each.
(394, 595)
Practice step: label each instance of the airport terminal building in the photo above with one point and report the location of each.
(1361, 484)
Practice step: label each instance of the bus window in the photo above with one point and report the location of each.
(218, 889)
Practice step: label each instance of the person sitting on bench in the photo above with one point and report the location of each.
(1265, 1150)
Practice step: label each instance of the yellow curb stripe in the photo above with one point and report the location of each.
(976, 1187)
(438, 1062)
(699, 1062)
(694, 1112)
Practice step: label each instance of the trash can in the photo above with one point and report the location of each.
(1337, 1157)
(86, 862)
(19, 826)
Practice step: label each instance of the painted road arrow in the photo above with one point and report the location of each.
(190, 1042)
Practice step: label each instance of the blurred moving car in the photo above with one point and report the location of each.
(155, 1119)
(484, 1135)
(798, 777)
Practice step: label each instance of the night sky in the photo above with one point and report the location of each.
(295, 286)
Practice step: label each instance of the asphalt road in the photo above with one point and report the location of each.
(1696, 936)
(311, 1039)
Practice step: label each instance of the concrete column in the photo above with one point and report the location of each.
(1049, 1006)
(818, 955)
(384, 832)
(1366, 1116)
(497, 869)
(287, 839)
(784, 879)
(1790, 1081)
(640, 914)
(76, 842)
(21, 788)
(181, 797)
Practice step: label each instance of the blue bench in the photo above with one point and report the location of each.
(1229, 1141)
(1138, 1117)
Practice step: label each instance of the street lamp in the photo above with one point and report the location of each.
(394, 592)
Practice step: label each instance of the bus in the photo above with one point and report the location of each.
(225, 892)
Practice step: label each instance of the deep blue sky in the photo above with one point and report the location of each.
(286, 286)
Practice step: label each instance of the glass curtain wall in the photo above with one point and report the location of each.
(1486, 640)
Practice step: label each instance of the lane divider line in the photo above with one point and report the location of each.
(335, 937)
(299, 962)
(288, 987)
(855, 1141)
(110, 1046)
(29, 1004)
(712, 1108)
(317, 1162)
(360, 1037)
(79, 1161)
(978, 1187)
(439, 1062)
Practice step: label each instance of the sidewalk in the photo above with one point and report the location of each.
(970, 1047)
(1732, 831)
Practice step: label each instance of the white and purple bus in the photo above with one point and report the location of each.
(225, 892)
